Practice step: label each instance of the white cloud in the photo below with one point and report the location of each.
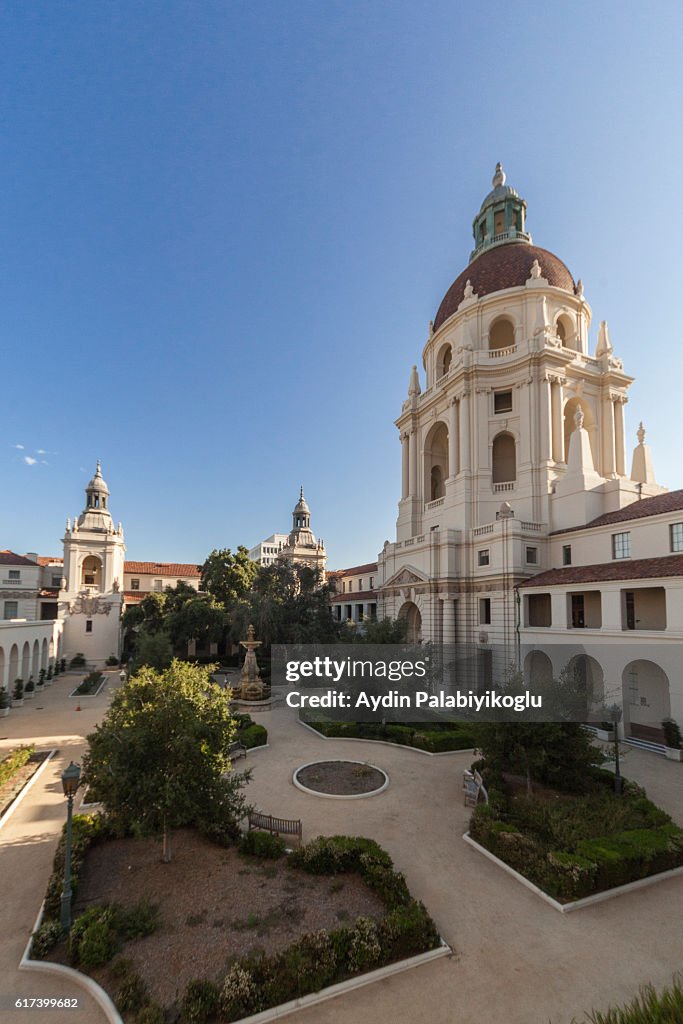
(19, 446)
(29, 461)
(41, 451)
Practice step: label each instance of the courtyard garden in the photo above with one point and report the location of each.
(224, 931)
(554, 816)
(436, 736)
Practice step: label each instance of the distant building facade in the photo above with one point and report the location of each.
(353, 593)
(299, 545)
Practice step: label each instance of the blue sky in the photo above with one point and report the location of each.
(226, 226)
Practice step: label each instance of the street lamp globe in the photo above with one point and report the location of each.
(71, 777)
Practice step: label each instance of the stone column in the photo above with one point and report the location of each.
(545, 421)
(619, 439)
(405, 456)
(448, 621)
(412, 472)
(453, 467)
(608, 437)
(557, 419)
(465, 431)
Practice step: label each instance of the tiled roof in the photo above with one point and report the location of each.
(355, 570)
(503, 266)
(50, 560)
(162, 569)
(134, 596)
(660, 504)
(8, 557)
(360, 595)
(605, 572)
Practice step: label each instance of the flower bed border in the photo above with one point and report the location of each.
(26, 787)
(385, 743)
(585, 901)
(340, 796)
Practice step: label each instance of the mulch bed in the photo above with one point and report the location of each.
(341, 778)
(215, 906)
(11, 789)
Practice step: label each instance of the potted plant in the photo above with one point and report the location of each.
(29, 689)
(4, 703)
(18, 694)
(55, 672)
(62, 665)
(672, 739)
(41, 679)
(48, 675)
(605, 731)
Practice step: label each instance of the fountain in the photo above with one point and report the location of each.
(250, 687)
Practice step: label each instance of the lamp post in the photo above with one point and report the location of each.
(615, 714)
(71, 777)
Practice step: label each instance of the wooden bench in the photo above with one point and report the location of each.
(276, 826)
(237, 749)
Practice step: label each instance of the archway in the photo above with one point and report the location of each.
(503, 459)
(35, 661)
(13, 666)
(444, 360)
(411, 614)
(566, 332)
(647, 699)
(538, 668)
(26, 662)
(501, 333)
(435, 455)
(588, 677)
(91, 572)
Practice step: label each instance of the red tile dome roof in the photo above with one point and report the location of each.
(503, 266)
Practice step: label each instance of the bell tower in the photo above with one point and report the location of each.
(91, 595)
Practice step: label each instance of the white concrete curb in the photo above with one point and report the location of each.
(90, 986)
(587, 901)
(340, 796)
(22, 793)
(385, 743)
(276, 1012)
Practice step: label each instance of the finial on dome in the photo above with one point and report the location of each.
(499, 176)
(301, 493)
(98, 471)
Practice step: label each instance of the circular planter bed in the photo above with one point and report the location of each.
(341, 780)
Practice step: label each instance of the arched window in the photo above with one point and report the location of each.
(443, 361)
(91, 572)
(504, 459)
(501, 333)
(435, 462)
(566, 332)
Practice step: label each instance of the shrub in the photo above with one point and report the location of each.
(78, 661)
(329, 855)
(647, 1008)
(41, 677)
(200, 1002)
(4, 699)
(262, 844)
(672, 733)
(253, 736)
(89, 685)
(14, 761)
(112, 660)
(62, 663)
(365, 949)
(93, 938)
(87, 829)
(45, 939)
(30, 686)
(239, 995)
(406, 931)
(18, 691)
(132, 993)
(138, 920)
(49, 671)
(151, 1013)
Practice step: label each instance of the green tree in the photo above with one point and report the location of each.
(229, 577)
(153, 649)
(159, 758)
(200, 618)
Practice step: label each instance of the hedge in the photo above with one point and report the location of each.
(253, 736)
(575, 847)
(14, 761)
(434, 737)
(319, 959)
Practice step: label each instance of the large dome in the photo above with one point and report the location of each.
(503, 266)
